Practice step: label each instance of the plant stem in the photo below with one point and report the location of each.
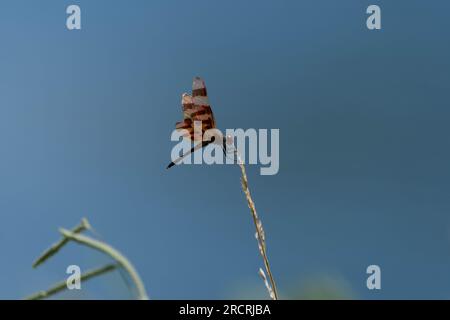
(260, 237)
(62, 285)
(113, 253)
(84, 225)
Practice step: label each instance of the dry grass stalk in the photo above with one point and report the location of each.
(260, 236)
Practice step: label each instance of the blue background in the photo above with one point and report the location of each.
(85, 124)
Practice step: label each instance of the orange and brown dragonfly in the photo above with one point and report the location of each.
(196, 108)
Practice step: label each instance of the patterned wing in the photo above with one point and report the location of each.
(196, 108)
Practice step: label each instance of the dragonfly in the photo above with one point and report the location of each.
(196, 108)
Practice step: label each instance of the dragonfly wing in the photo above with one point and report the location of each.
(196, 109)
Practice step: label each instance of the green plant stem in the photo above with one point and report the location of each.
(84, 225)
(62, 285)
(113, 253)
